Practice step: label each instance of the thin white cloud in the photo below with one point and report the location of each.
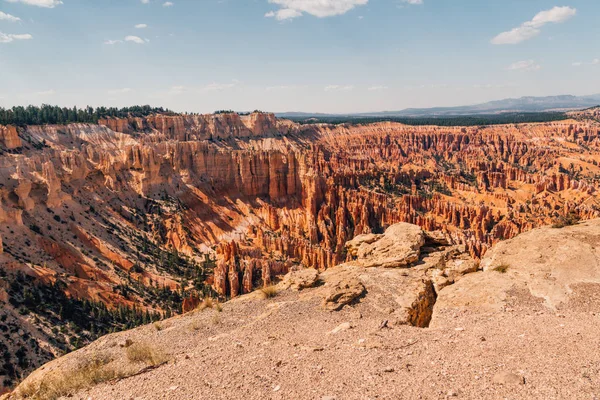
(131, 38)
(595, 61)
(10, 37)
(283, 87)
(333, 88)
(415, 2)
(434, 86)
(531, 29)
(38, 3)
(8, 17)
(283, 14)
(290, 9)
(175, 90)
(377, 88)
(217, 87)
(145, 1)
(141, 26)
(168, 4)
(135, 39)
(527, 65)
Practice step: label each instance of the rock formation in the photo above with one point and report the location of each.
(140, 213)
(9, 137)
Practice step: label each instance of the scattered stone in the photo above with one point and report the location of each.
(343, 293)
(340, 328)
(508, 378)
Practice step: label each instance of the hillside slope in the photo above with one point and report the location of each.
(521, 330)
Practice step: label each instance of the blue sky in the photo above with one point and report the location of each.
(295, 55)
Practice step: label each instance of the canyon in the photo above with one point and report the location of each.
(136, 219)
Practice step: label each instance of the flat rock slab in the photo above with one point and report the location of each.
(547, 264)
(508, 378)
(404, 296)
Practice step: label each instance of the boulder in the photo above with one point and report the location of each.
(342, 293)
(398, 247)
(300, 279)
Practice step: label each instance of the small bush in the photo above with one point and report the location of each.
(502, 268)
(158, 326)
(218, 307)
(566, 220)
(145, 353)
(268, 292)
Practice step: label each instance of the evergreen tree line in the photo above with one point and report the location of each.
(51, 302)
(462, 120)
(55, 115)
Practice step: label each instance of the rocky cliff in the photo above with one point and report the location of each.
(130, 217)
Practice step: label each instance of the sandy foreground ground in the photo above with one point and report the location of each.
(283, 349)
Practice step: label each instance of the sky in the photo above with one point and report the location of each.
(330, 56)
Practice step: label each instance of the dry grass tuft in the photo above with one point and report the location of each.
(56, 385)
(158, 326)
(196, 325)
(206, 303)
(502, 268)
(218, 307)
(147, 354)
(268, 292)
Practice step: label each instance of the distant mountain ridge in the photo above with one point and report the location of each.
(522, 104)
